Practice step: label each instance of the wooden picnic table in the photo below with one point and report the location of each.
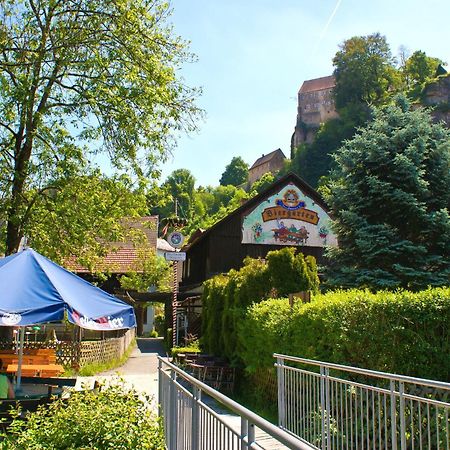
(37, 370)
(216, 375)
(30, 356)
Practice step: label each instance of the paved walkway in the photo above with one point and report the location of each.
(139, 371)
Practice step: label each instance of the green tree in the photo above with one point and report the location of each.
(364, 71)
(420, 68)
(289, 272)
(223, 200)
(390, 202)
(84, 71)
(315, 160)
(180, 187)
(263, 183)
(78, 214)
(236, 172)
(149, 270)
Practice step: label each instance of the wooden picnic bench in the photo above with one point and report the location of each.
(30, 356)
(37, 370)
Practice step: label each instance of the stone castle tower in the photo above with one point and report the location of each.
(315, 106)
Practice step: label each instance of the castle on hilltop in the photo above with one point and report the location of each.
(315, 106)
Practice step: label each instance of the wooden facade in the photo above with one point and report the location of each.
(220, 248)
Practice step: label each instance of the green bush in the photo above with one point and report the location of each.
(226, 297)
(193, 348)
(288, 272)
(114, 418)
(212, 307)
(401, 332)
(168, 340)
(154, 333)
(159, 324)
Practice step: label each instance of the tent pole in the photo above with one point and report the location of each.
(19, 364)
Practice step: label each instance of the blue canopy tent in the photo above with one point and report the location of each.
(35, 290)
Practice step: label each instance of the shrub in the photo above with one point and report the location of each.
(159, 324)
(154, 333)
(194, 347)
(262, 332)
(288, 271)
(114, 418)
(225, 297)
(401, 332)
(168, 339)
(212, 301)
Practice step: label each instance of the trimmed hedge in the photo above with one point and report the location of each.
(226, 297)
(400, 332)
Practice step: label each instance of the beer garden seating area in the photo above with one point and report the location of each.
(39, 362)
(211, 370)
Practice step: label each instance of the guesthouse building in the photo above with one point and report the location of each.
(288, 213)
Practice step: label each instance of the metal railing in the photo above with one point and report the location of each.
(340, 407)
(190, 423)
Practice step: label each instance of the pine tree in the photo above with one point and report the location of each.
(390, 203)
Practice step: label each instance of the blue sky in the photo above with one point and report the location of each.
(253, 56)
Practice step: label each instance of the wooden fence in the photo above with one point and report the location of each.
(104, 351)
(78, 354)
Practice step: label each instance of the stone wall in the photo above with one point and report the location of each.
(437, 94)
(315, 106)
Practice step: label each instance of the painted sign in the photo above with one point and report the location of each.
(175, 256)
(288, 217)
(176, 239)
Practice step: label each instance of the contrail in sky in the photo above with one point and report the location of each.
(325, 28)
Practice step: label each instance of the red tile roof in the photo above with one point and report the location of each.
(317, 84)
(123, 255)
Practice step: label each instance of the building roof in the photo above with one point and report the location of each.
(266, 158)
(317, 84)
(163, 245)
(255, 201)
(122, 254)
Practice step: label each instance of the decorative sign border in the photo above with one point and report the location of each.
(288, 217)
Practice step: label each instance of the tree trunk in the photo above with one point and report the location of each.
(139, 320)
(14, 230)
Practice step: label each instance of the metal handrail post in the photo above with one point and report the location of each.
(393, 416)
(244, 433)
(327, 406)
(160, 397)
(281, 393)
(322, 403)
(401, 391)
(196, 397)
(251, 435)
(173, 412)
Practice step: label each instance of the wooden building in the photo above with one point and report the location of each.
(288, 213)
(140, 234)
